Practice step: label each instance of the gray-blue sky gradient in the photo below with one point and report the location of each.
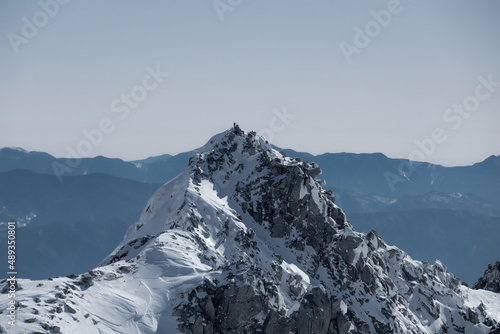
(263, 57)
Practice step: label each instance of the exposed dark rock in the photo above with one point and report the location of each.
(490, 280)
(288, 201)
(69, 309)
(87, 280)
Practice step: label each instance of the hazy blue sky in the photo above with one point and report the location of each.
(68, 67)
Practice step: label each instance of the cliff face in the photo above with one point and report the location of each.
(491, 279)
(246, 240)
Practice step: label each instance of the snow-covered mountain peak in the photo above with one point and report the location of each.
(246, 240)
(239, 174)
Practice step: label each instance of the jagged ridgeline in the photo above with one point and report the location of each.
(246, 240)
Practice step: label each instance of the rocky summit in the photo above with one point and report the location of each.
(246, 240)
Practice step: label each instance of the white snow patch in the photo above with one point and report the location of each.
(490, 299)
(343, 307)
(303, 191)
(296, 270)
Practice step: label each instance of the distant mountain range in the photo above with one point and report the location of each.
(407, 204)
(150, 170)
(246, 240)
(371, 174)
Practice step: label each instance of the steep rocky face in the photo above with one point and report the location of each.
(297, 265)
(491, 279)
(246, 240)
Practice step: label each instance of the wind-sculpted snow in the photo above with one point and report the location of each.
(246, 240)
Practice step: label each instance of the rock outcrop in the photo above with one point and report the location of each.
(490, 280)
